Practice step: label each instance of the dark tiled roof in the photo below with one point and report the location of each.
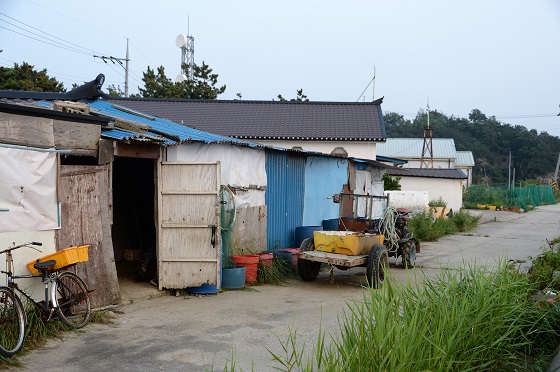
(284, 120)
(427, 172)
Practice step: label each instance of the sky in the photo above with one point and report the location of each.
(501, 57)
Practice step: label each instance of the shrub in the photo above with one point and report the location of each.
(542, 272)
(428, 228)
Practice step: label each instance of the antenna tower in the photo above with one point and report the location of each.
(427, 159)
(186, 43)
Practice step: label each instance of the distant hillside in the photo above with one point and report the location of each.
(534, 155)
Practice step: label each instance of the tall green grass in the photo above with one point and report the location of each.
(466, 320)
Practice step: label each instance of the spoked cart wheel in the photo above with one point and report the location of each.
(377, 264)
(308, 270)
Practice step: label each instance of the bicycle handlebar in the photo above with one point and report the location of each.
(28, 244)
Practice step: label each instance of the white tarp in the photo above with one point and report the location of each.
(365, 186)
(242, 168)
(28, 197)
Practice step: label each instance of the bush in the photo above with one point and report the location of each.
(542, 272)
(428, 228)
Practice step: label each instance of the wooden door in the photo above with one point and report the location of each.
(86, 218)
(188, 220)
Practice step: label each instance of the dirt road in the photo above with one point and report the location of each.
(157, 331)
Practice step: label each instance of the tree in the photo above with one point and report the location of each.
(25, 77)
(300, 97)
(202, 86)
(390, 183)
(533, 154)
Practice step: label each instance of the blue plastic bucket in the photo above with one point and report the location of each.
(203, 289)
(304, 232)
(330, 225)
(233, 277)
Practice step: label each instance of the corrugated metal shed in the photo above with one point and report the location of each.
(464, 159)
(411, 148)
(285, 188)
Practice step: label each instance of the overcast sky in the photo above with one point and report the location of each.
(501, 57)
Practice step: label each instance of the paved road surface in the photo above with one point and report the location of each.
(155, 331)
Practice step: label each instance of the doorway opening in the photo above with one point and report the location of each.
(133, 230)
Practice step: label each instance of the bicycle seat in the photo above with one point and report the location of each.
(45, 265)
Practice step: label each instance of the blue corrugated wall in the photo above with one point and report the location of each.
(285, 174)
(324, 177)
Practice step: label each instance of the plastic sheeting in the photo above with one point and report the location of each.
(28, 195)
(366, 186)
(242, 168)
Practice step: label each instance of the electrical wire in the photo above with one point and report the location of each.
(46, 33)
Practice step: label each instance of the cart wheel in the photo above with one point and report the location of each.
(308, 270)
(378, 262)
(409, 254)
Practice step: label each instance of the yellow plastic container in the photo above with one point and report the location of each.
(63, 258)
(345, 242)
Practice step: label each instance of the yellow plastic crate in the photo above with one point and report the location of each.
(345, 242)
(63, 258)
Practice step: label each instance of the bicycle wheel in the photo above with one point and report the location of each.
(72, 300)
(12, 323)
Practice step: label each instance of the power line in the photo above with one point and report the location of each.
(46, 33)
(75, 20)
(43, 41)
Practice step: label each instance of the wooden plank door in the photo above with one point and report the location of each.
(188, 220)
(86, 219)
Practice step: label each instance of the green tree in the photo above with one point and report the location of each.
(202, 86)
(390, 183)
(25, 77)
(300, 97)
(533, 154)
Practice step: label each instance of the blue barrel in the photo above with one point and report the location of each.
(330, 225)
(304, 232)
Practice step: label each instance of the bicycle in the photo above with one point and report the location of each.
(66, 299)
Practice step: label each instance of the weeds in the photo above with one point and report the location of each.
(465, 320)
(544, 267)
(428, 228)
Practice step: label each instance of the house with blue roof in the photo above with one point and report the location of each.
(137, 187)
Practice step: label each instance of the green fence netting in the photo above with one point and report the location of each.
(525, 197)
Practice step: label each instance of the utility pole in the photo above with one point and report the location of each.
(119, 60)
(556, 171)
(126, 72)
(509, 170)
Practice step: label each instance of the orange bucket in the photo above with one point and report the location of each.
(251, 262)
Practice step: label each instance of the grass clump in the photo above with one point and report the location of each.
(274, 272)
(545, 269)
(466, 320)
(428, 228)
